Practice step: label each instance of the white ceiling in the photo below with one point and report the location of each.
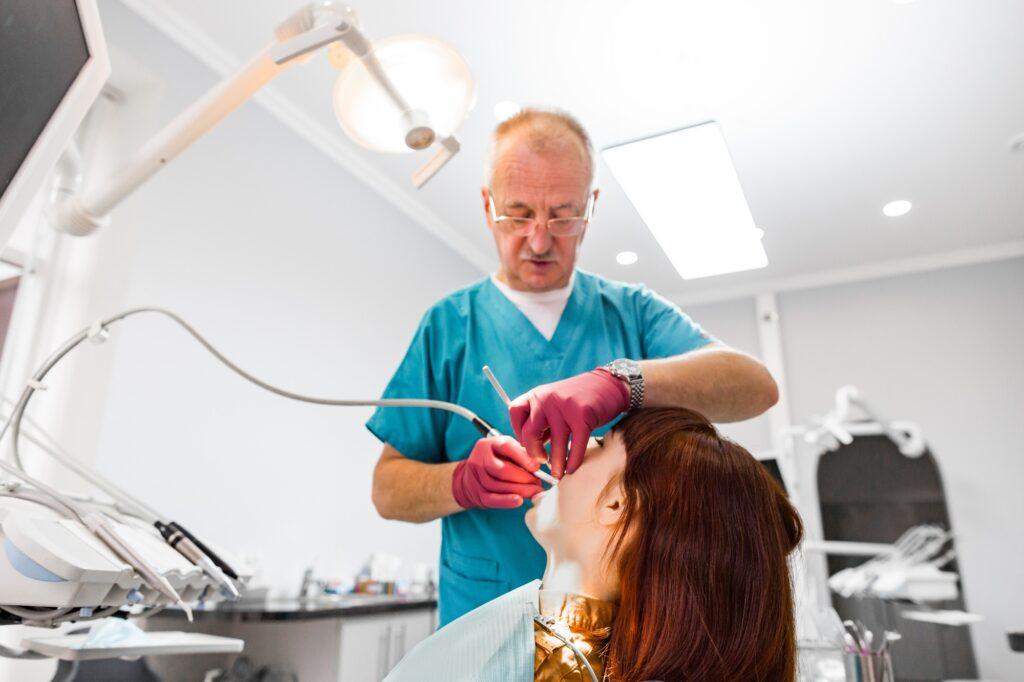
(830, 109)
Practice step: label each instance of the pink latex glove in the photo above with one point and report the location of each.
(495, 475)
(574, 406)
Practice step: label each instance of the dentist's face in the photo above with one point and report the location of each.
(530, 184)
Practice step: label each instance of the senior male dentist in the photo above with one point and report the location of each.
(579, 349)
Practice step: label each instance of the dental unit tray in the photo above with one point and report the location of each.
(67, 558)
(69, 647)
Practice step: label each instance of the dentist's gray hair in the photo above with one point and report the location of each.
(550, 131)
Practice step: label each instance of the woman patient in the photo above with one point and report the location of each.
(667, 560)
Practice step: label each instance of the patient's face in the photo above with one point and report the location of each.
(567, 516)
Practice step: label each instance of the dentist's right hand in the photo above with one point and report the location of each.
(496, 475)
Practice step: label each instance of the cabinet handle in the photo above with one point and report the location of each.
(400, 645)
(387, 652)
(382, 646)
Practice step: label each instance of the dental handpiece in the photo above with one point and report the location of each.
(105, 532)
(542, 475)
(188, 549)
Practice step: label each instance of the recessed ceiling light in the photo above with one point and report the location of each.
(894, 209)
(627, 257)
(505, 110)
(686, 190)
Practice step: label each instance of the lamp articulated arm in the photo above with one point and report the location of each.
(308, 30)
(83, 213)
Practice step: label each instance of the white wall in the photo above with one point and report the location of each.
(301, 275)
(942, 349)
(733, 323)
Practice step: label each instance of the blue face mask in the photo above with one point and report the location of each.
(114, 632)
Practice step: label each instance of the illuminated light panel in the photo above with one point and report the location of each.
(686, 190)
(895, 209)
(626, 257)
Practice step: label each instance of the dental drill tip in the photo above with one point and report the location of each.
(233, 593)
(546, 477)
(226, 584)
(496, 386)
(164, 587)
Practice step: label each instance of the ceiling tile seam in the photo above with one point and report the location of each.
(220, 61)
(978, 255)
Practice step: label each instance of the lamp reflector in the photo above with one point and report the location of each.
(432, 77)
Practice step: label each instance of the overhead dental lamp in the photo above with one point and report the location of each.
(400, 94)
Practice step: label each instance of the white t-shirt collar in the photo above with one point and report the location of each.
(535, 297)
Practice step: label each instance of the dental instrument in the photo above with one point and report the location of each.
(172, 533)
(546, 477)
(497, 386)
(542, 475)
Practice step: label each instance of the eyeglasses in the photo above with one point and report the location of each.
(558, 227)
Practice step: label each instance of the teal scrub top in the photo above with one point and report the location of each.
(487, 552)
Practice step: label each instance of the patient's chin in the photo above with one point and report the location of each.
(530, 519)
(542, 517)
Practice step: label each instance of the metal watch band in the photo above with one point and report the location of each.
(636, 393)
(629, 370)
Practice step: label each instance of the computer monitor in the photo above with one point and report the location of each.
(53, 64)
(772, 465)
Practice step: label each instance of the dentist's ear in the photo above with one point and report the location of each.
(485, 194)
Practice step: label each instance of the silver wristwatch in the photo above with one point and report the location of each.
(629, 371)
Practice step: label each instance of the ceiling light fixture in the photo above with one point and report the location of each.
(627, 257)
(413, 68)
(685, 188)
(895, 209)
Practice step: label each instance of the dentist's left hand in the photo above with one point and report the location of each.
(570, 407)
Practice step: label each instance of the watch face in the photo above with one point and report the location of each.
(626, 368)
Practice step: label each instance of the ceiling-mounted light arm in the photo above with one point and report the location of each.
(309, 29)
(418, 132)
(311, 40)
(348, 33)
(82, 213)
(449, 148)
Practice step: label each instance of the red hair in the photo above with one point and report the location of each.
(702, 558)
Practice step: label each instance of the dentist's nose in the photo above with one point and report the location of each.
(540, 240)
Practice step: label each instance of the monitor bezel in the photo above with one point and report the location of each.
(28, 181)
